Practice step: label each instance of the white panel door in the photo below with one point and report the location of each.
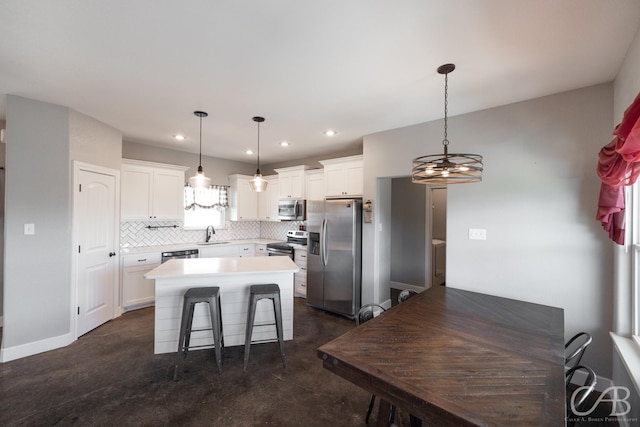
(96, 253)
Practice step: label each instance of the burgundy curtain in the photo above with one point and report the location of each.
(619, 166)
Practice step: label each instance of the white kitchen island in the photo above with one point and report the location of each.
(233, 276)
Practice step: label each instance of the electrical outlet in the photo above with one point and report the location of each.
(477, 234)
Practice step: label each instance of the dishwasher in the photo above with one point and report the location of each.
(187, 253)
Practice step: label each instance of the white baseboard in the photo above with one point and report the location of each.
(403, 286)
(29, 349)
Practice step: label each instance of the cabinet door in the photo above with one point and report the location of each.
(291, 185)
(136, 290)
(344, 179)
(353, 176)
(168, 199)
(135, 192)
(268, 201)
(244, 201)
(314, 186)
(335, 178)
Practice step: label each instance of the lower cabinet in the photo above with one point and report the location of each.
(261, 249)
(138, 292)
(300, 278)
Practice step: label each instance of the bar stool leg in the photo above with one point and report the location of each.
(215, 326)
(277, 308)
(184, 336)
(249, 330)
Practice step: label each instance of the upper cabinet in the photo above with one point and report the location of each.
(343, 176)
(268, 200)
(314, 184)
(291, 182)
(243, 202)
(151, 191)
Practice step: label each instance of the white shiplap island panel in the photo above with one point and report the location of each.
(233, 276)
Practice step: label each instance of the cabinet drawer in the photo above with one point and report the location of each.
(133, 260)
(300, 257)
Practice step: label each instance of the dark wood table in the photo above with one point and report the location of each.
(454, 357)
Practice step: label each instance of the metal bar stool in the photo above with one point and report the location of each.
(256, 293)
(193, 296)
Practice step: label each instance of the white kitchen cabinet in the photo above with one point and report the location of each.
(261, 249)
(300, 278)
(243, 202)
(151, 191)
(268, 200)
(314, 184)
(136, 291)
(291, 182)
(247, 249)
(343, 176)
(215, 251)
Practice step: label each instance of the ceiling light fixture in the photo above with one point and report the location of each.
(447, 168)
(248, 152)
(330, 132)
(284, 144)
(199, 180)
(258, 183)
(179, 137)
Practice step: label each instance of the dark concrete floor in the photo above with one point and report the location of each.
(110, 377)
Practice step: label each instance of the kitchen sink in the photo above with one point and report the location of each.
(211, 243)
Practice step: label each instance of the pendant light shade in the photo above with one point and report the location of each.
(199, 180)
(446, 168)
(258, 183)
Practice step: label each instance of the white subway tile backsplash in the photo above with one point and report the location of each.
(138, 234)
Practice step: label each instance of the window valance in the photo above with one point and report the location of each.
(214, 196)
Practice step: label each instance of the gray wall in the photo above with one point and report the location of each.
(216, 169)
(537, 202)
(408, 222)
(42, 141)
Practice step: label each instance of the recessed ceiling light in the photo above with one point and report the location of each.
(249, 152)
(284, 144)
(330, 132)
(179, 137)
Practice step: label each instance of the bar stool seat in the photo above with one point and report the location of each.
(193, 296)
(256, 293)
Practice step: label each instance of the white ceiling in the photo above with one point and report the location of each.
(356, 66)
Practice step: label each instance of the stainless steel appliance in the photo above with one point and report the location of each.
(334, 263)
(292, 209)
(188, 253)
(294, 238)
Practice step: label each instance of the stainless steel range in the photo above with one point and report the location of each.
(295, 238)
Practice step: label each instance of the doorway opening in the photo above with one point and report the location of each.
(418, 227)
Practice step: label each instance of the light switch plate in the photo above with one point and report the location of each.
(29, 229)
(477, 234)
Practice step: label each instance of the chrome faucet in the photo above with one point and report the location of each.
(210, 232)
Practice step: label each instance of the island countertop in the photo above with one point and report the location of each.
(198, 267)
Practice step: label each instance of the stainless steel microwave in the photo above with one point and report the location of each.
(292, 209)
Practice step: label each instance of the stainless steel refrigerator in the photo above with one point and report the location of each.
(334, 261)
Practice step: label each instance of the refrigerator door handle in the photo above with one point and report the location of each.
(323, 242)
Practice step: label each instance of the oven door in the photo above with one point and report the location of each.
(280, 252)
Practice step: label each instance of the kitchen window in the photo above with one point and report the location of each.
(205, 206)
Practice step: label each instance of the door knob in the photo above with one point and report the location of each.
(112, 254)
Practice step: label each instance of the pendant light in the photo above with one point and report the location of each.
(443, 169)
(258, 183)
(199, 180)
